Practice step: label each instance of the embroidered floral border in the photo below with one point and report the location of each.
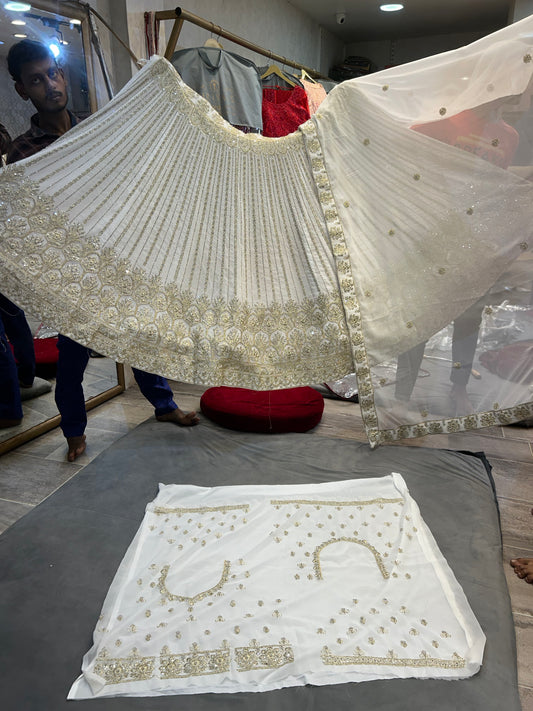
(377, 435)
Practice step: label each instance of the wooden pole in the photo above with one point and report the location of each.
(185, 15)
(173, 39)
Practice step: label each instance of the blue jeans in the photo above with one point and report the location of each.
(70, 400)
(17, 367)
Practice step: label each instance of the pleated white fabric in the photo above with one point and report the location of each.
(252, 588)
(161, 236)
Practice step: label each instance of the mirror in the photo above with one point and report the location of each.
(70, 33)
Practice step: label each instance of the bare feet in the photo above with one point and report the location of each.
(76, 447)
(184, 419)
(523, 567)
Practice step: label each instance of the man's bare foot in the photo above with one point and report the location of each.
(76, 447)
(6, 422)
(523, 567)
(184, 419)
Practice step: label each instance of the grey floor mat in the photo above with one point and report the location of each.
(57, 563)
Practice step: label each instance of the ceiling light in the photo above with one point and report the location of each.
(54, 49)
(17, 6)
(20, 36)
(75, 22)
(18, 22)
(391, 7)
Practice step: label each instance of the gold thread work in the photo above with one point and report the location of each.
(316, 502)
(195, 598)
(269, 656)
(316, 554)
(196, 662)
(424, 660)
(159, 510)
(115, 670)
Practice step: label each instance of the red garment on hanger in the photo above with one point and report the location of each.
(283, 110)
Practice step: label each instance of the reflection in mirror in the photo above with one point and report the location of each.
(66, 37)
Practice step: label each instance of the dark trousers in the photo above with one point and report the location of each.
(464, 342)
(17, 367)
(70, 400)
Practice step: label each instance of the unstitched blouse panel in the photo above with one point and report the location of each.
(252, 588)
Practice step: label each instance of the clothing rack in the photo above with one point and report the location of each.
(179, 15)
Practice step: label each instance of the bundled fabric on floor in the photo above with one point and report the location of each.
(161, 236)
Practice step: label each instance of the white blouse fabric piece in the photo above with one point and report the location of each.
(253, 588)
(158, 235)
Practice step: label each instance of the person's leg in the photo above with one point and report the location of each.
(20, 337)
(70, 400)
(464, 343)
(158, 392)
(10, 404)
(407, 371)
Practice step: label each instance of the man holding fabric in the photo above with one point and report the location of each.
(38, 78)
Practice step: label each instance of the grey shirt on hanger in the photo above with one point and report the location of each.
(231, 84)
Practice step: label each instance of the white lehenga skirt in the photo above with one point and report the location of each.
(161, 236)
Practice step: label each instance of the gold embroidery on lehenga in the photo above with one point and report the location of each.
(174, 321)
(196, 662)
(338, 504)
(118, 670)
(200, 509)
(316, 554)
(199, 596)
(392, 659)
(268, 656)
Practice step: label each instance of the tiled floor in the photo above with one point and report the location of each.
(35, 470)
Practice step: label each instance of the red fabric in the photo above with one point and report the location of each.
(513, 362)
(45, 350)
(272, 411)
(494, 141)
(283, 110)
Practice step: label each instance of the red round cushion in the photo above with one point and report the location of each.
(273, 411)
(45, 350)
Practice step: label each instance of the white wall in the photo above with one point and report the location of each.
(15, 113)
(524, 126)
(116, 56)
(275, 25)
(521, 9)
(400, 51)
